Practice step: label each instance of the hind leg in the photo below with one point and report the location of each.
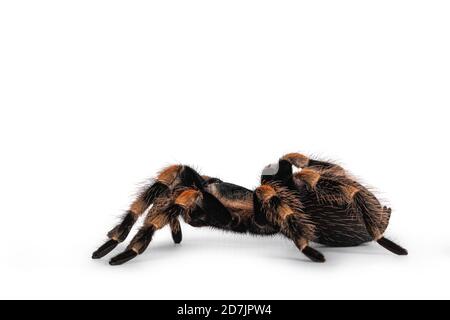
(375, 218)
(392, 246)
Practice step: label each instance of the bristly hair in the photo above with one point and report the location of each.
(375, 216)
(334, 187)
(306, 227)
(339, 189)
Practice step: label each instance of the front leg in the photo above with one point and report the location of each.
(120, 232)
(158, 217)
(166, 181)
(198, 208)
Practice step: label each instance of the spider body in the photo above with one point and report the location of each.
(319, 203)
(327, 194)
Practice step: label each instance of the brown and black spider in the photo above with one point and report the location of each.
(320, 203)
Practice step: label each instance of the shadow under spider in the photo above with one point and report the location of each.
(275, 247)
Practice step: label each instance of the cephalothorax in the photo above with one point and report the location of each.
(319, 203)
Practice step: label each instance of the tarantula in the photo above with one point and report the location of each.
(319, 203)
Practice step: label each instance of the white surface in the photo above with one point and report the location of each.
(96, 96)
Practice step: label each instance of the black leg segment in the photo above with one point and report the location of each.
(123, 257)
(392, 247)
(313, 254)
(175, 228)
(121, 232)
(105, 249)
(137, 246)
(189, 177)
(116, 235)
(155, 191)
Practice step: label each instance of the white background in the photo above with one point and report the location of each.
(96, 96)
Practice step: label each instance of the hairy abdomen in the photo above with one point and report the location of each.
(338, 225)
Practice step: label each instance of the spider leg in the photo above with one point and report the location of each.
(155, 220)
(167, 180)
(175, 227)
(138, 207)
(392, 246)
(301, 161)
(313, 254)
(281, 207)
(283, 171)
(198, 208)
(375, 218)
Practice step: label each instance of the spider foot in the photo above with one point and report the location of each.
(123, 257)
(105, 249)
(392, 247)
(313, 254)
